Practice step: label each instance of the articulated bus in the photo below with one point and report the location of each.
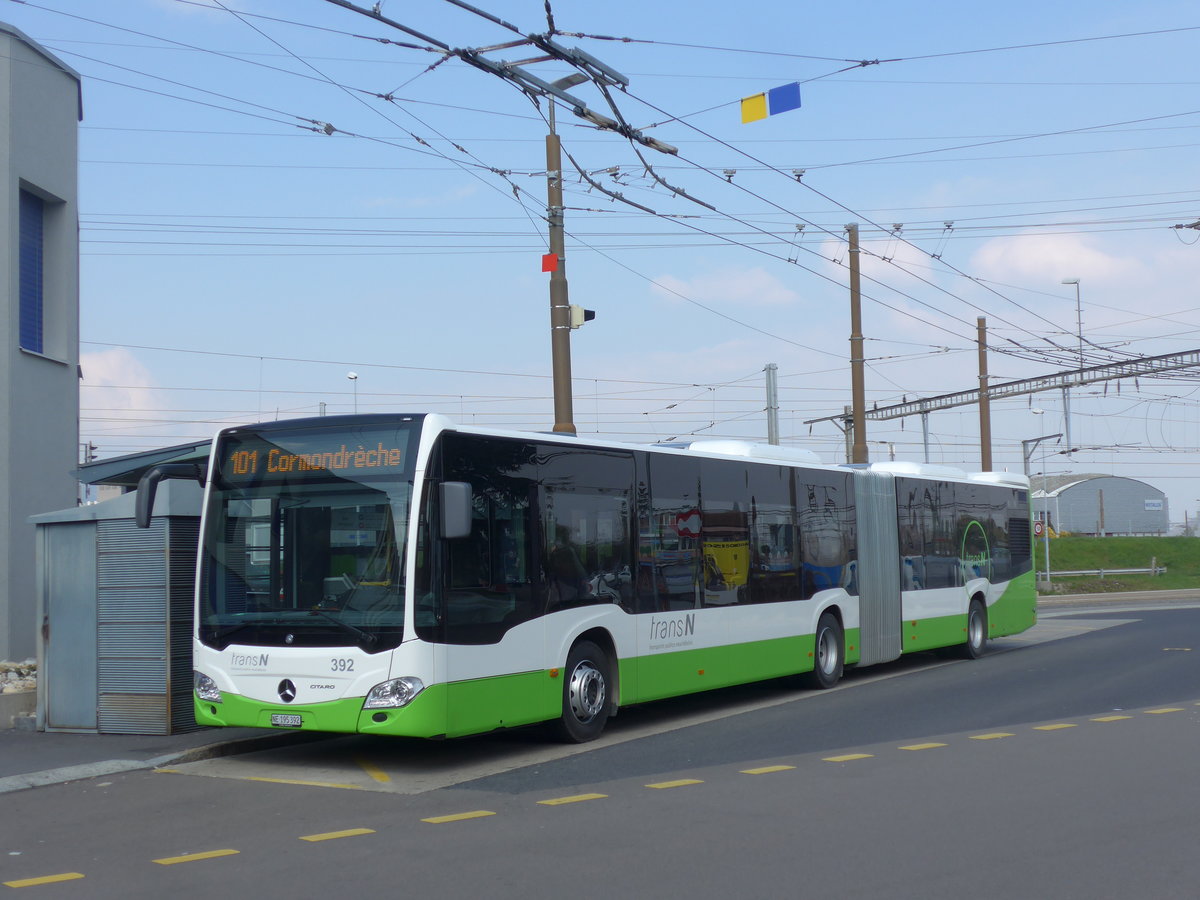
(402, 575)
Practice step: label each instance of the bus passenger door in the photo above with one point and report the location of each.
(493, 623)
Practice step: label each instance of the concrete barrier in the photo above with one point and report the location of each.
(20, 703)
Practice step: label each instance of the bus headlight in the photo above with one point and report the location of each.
(395, 693)
(206, 688)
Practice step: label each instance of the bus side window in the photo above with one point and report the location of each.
(672, 580)
(725, 531)
(774, 553)
(586, 502)
(828, 541)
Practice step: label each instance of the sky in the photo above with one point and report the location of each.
(274, 195)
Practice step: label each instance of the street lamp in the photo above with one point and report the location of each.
(1027, 448)
(353, 376)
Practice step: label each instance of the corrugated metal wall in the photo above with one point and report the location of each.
(1110, 505)
(144, 612)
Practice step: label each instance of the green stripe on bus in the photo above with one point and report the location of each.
(506, 701)
(687, 671)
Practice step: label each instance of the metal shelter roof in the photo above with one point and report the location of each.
(126, 470)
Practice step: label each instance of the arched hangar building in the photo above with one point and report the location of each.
(1101, 505)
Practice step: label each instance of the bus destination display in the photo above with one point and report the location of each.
(313, 455)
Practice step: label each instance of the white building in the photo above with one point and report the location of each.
(40, 108)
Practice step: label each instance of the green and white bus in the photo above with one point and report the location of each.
(403, 575)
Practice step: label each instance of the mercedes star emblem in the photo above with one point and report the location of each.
(287, 690)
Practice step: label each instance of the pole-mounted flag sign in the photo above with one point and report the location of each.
(775, 101)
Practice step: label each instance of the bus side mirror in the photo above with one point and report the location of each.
(455, 497)
(148, 487)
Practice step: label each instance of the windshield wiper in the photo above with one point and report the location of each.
(366, 640)
(229, 630)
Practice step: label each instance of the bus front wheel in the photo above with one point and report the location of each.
(586, 689)
(827, 653)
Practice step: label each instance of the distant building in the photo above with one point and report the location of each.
(40, 108)
(1100, 505)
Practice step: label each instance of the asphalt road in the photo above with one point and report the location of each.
(1064, 768)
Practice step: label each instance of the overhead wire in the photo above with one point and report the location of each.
(648, 167)
(616, 111)
(468, 168)
(849, 210)
(760, 52)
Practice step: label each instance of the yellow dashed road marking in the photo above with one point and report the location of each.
(995, 735)
(332, 835)
(766, 770)
(1058, 727)
(1110, 718)
(929, 746)
(682, 782)
(376, 773)
(45, 879)
(577, 798)
(1165, 709)
(848, 757)
(195, 857)
(458, 817)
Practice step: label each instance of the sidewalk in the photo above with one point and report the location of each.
(1118, 598)
(35, 758)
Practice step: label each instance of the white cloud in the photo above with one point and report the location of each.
(112, 367)
(115, 384)
(728, 287)
(1049, 258)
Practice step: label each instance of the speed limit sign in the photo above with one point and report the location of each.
(1038, 528)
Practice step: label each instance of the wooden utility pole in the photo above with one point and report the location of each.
(560, 308)
(985, 406)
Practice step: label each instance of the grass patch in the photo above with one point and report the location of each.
(1180, 556)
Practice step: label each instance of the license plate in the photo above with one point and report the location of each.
(286, 720)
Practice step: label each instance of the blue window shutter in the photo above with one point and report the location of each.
(30, 262)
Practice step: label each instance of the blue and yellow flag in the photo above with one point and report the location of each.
(777, 100)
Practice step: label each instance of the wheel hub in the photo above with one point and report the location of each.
(827, 651)
(585, 692)
(975, 628)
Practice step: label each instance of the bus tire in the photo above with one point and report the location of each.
(828, 654)
(977, 630)
(587, 687)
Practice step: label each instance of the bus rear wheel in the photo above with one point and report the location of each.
(977, 630)
(586, 692)
(828, 657)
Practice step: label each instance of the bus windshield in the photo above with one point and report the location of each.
(304, 537)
